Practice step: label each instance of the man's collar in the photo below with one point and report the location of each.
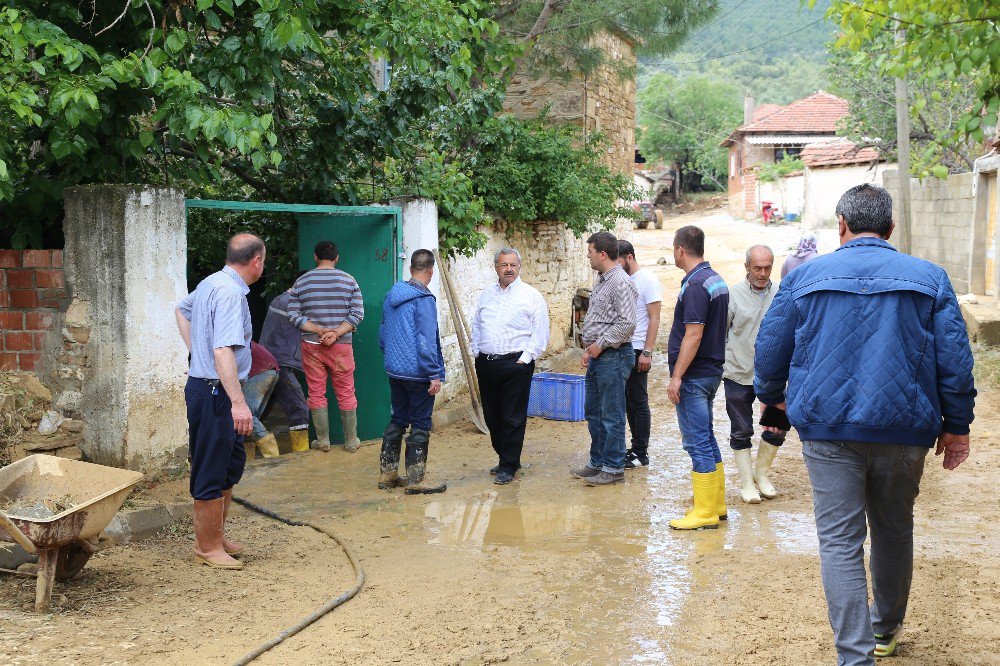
(231, 272)
(516, 281)
(867, 241)
(703, 264)
(603, 276)
(755, 290)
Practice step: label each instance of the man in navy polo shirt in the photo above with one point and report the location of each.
(695, 353)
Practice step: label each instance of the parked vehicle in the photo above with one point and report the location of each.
(650, 215)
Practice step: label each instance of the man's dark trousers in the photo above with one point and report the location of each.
(504, 385)
(739, 406)
(215, 450)
(637, 408)
(411, 404)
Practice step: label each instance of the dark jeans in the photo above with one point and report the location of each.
(289, 395)
(257, 390)
(739, 406)
(411, 404)
(215, 450)
(637, 408)
(694, 419)
(857, 484)
(605, 407)
(504, 385)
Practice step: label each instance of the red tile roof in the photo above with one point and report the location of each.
(765, 110)
(837, 151)
(818, 112)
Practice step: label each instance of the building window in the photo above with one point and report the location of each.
(781, 151)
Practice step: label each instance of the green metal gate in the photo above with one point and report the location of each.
(369, 239)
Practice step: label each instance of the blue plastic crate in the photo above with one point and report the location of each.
(557, 396)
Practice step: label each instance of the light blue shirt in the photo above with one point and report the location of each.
(220, 317)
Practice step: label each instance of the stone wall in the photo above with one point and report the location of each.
(941, 222)
(603, 102)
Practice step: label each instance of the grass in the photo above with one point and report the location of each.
(987, 368)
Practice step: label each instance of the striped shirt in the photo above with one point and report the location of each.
(610, 319)
(327, 297)
(515, 319)
(220, 317)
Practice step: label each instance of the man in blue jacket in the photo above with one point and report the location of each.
(413, 360)
(876, 358)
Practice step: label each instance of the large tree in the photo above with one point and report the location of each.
(683, 121)
(945, 39)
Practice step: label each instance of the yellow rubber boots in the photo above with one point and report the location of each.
(704, 514)
(720, 506)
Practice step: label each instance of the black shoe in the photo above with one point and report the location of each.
(503, 478)
(494, 470)
(632, 460)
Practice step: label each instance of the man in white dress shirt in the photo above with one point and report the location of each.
(510, 329)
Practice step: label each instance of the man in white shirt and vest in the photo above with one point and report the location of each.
(748, 303)
(647, 325)
(510, 329)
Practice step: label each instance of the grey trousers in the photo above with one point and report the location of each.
(852, 481)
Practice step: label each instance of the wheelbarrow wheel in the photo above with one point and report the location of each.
(70, 561)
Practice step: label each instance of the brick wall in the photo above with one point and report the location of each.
(941, 222)
(32, 297)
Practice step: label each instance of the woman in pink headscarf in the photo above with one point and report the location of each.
(805, 252)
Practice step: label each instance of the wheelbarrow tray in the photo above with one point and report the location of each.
(96, 492)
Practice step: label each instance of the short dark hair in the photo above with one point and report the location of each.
(866, 208)
(243, 248)
(326, 250)
(421, 260)
(625, 248)
(692, 239)
(605, 241)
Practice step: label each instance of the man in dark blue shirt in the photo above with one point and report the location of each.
(695, 353)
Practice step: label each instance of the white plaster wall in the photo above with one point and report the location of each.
(825, 185)
(787, 193)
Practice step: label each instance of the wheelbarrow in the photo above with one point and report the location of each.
(57, 508)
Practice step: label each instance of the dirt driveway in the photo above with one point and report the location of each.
(542, 571)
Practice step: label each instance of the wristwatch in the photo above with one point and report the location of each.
(648, 353)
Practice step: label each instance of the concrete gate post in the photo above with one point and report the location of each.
(125, 261)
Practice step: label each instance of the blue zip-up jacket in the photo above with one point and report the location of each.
(872, 346)
(408, 335)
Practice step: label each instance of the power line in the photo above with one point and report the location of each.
(746, 50)
(701, 30)
(693, 129)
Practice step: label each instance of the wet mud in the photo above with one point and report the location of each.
(545, 570)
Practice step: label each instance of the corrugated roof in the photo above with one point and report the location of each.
(837, 151)
(785, 139)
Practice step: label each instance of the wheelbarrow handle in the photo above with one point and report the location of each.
(17, 534)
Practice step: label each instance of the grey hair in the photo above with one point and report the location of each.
(243, 248)
(758, 247)
(866, 208)
(506, 250)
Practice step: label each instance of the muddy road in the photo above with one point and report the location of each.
(544, 571)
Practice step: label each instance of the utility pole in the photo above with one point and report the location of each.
(902, 235)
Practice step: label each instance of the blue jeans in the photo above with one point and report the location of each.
(694, 418)
(411, 404)
(858, 485)
(605, 407)
(257, 391)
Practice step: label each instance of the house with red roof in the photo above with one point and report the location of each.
(807, 129)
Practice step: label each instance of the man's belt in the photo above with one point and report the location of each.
(502, 357)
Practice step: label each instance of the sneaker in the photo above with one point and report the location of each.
(503, 478)
(584, 472)
(633, 460)
(605, 479)
(885, 644)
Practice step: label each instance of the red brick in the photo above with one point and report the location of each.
(19, 341)
(37, 258)
(28, 362)
(3, 278)
(23, 298)
(49, 278)
(38, 321)
(10, 258)
(57, 257)
(21, 279)
(8, 361)
(11, 321)
(4, 298)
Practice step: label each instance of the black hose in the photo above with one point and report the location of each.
(325, 608)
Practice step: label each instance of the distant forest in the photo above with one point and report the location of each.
(785, 67)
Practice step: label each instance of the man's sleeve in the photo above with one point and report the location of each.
(624, 300)
(357, 311)
(477, 328)
(651, 291)
(955, 385)
(186, 306)
(696, 302)
(295, 307)
(428, 358)
(227, 321)
(539, 330)
(774, 347)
